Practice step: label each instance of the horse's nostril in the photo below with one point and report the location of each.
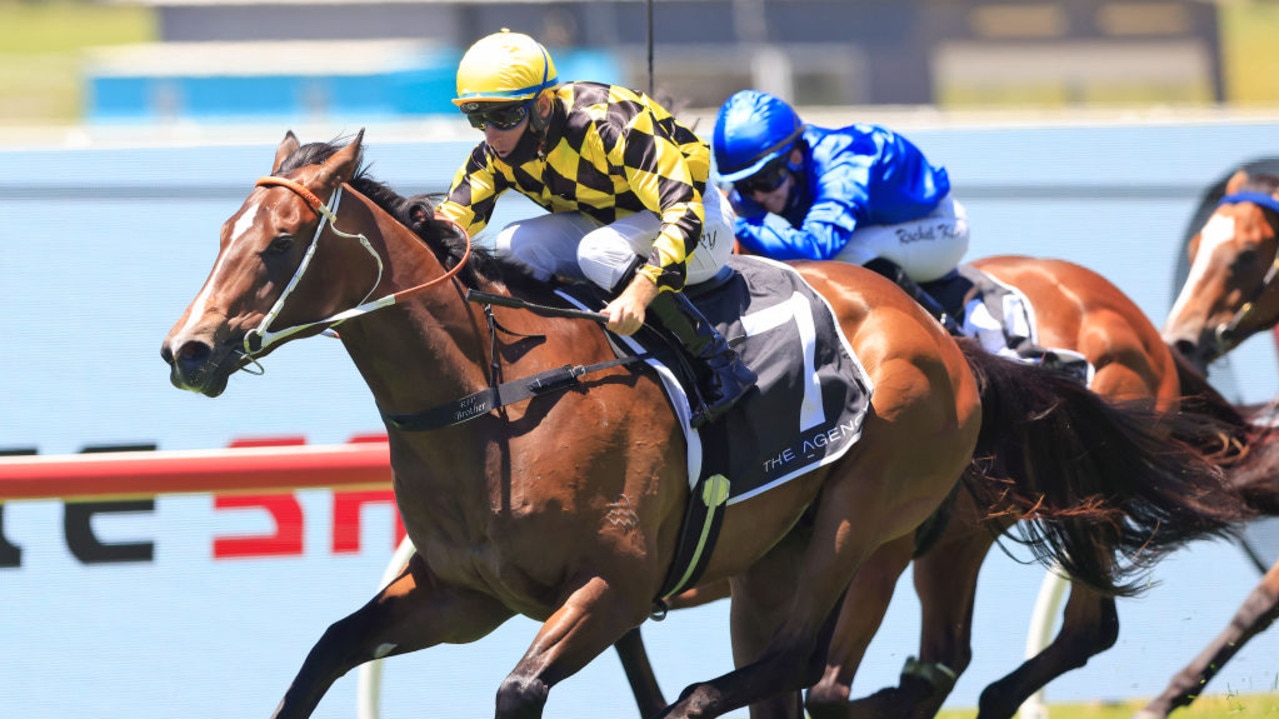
(1185, 348)
(193, 354)
(166, 354)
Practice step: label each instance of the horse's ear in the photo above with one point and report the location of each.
(1236, 181)
(288, 146)
(342, 165)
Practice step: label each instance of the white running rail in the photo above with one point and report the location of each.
(369, 689)
(1040, 633)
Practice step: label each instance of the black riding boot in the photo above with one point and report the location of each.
(722, 378)
(894, 272)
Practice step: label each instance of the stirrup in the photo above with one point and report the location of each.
(735, 380)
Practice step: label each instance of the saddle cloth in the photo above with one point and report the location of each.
(1001, 318)
(813, 394)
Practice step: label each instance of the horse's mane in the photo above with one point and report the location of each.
(1261, 182)
(417, 213)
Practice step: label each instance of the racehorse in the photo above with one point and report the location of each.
(1229, 295)
(1074, 309)
(566, 507)
(1231, 292)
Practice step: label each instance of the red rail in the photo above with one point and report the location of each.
(111, 475)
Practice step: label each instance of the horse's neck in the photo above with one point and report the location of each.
(424, 350)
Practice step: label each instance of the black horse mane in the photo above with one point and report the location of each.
(1261, 182)
(418, 214)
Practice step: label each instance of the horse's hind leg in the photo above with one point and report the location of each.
(413, 612)
(597, 612)
(860, 615)
(1090, 626)
(874, 499)
(761, 598)
(946, 584)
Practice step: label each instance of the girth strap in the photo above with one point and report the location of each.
(703, 518)
(490, 398)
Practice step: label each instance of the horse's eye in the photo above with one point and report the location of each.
(1244, 261)
(280, 245)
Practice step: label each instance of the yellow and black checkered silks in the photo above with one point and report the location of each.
(608, 152)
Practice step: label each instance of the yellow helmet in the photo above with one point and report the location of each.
(503, 67)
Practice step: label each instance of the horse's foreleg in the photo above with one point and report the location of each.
(413, 612)
(843, 538)
(1258, 612)
(860, 616)
(634, 658)
(639, 673)
(761, 598)
(630, 649)
(697, 596)
(946, 582)
(593, 618)
(1090, 626)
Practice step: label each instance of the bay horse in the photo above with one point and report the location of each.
(1227, 296)
(1077, 309)
(1231, 291)
(566, 507)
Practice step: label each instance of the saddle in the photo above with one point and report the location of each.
(806, 410)
(1001, 318)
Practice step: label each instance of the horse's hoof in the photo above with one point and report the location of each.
(1148, 714)
(880, 705)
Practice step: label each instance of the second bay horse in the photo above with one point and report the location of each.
(566, 507)
(1077, 309)
(1228, 295)
(1232, 289)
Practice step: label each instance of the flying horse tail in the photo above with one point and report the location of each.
(1247, 450)
(1109, 488)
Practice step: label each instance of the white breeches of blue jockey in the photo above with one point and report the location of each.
(572, 245)
(926, 248)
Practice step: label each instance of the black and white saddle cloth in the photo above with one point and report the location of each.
(808, 407)
(1001, 318)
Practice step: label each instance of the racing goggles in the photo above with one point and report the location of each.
(503, 117)
(769, 178)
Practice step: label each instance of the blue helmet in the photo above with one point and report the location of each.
(752, 129)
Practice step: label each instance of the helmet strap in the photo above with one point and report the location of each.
(539, 118)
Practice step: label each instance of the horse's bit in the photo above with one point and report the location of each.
(1226, 331)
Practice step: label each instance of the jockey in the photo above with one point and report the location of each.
(626, 189)
(861, 194)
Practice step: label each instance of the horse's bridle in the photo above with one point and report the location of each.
(328, 214)
(1227, 330)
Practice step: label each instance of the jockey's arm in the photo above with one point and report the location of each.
(472, 194)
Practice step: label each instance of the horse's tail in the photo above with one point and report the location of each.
(1109, 489)
(1245, 443)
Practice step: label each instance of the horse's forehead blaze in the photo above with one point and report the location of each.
(226, 280)
(1228, 232)
(245, 222)
(1219, 231)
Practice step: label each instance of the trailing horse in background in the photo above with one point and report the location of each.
(1229, 294)
(1231, 291)
(566, 507)
(1074, 309)
(1078, 310)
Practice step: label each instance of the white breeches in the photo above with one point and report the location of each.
(572, 245)
(926, 248)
